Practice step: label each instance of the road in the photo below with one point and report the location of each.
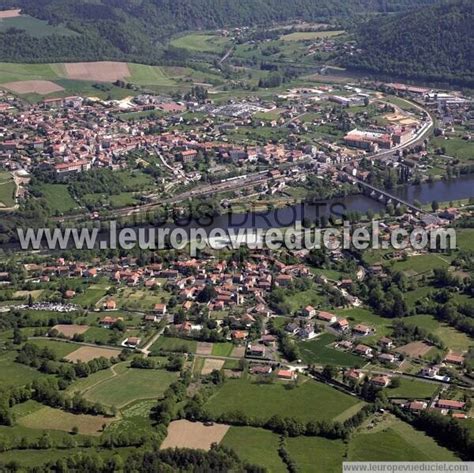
(146, 349)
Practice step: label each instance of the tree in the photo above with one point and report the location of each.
(329, 372)
(435, 205)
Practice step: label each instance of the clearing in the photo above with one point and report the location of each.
(186, 434)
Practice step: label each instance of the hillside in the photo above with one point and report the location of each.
(122, 29)
(432, 43)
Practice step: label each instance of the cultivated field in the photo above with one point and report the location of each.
(204, 348)
(102, 71)
(70, 330)
(42, 87)
(10, 13)
(210, 365)
(310, 35)
(90, 353)
(185, 434)
(415, 349)
(264, 400)
(55, 419)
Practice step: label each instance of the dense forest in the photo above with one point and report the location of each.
(433, 43)
(119, 29)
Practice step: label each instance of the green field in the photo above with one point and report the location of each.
(455, 147)
(61, 349)
(58, 197)
(131, 385)
(222, 349)
(308, 452)
(174, 344)
(16, 374)
(310, 35)
(90, 296)
(255, 446)
(10, 72)
(415, 265)
(413, 389)
(150, 75)
(55, 419)
(205, 43)
(308, 401)
(465, 238)
(397, 442)
(33, 26)
(317, 352)
(7, 190)
(452, 338)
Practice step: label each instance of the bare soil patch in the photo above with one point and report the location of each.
(238, 352)
(414, 349)
(232, 374)
(204, 348)
(102, 71)
(10, 13)
(90, 353)
(185, 434)
(71, 330)
(210, 365)
(42, 87)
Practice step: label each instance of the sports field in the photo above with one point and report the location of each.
(261, 401)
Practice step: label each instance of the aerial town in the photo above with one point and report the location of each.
(123, 359)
